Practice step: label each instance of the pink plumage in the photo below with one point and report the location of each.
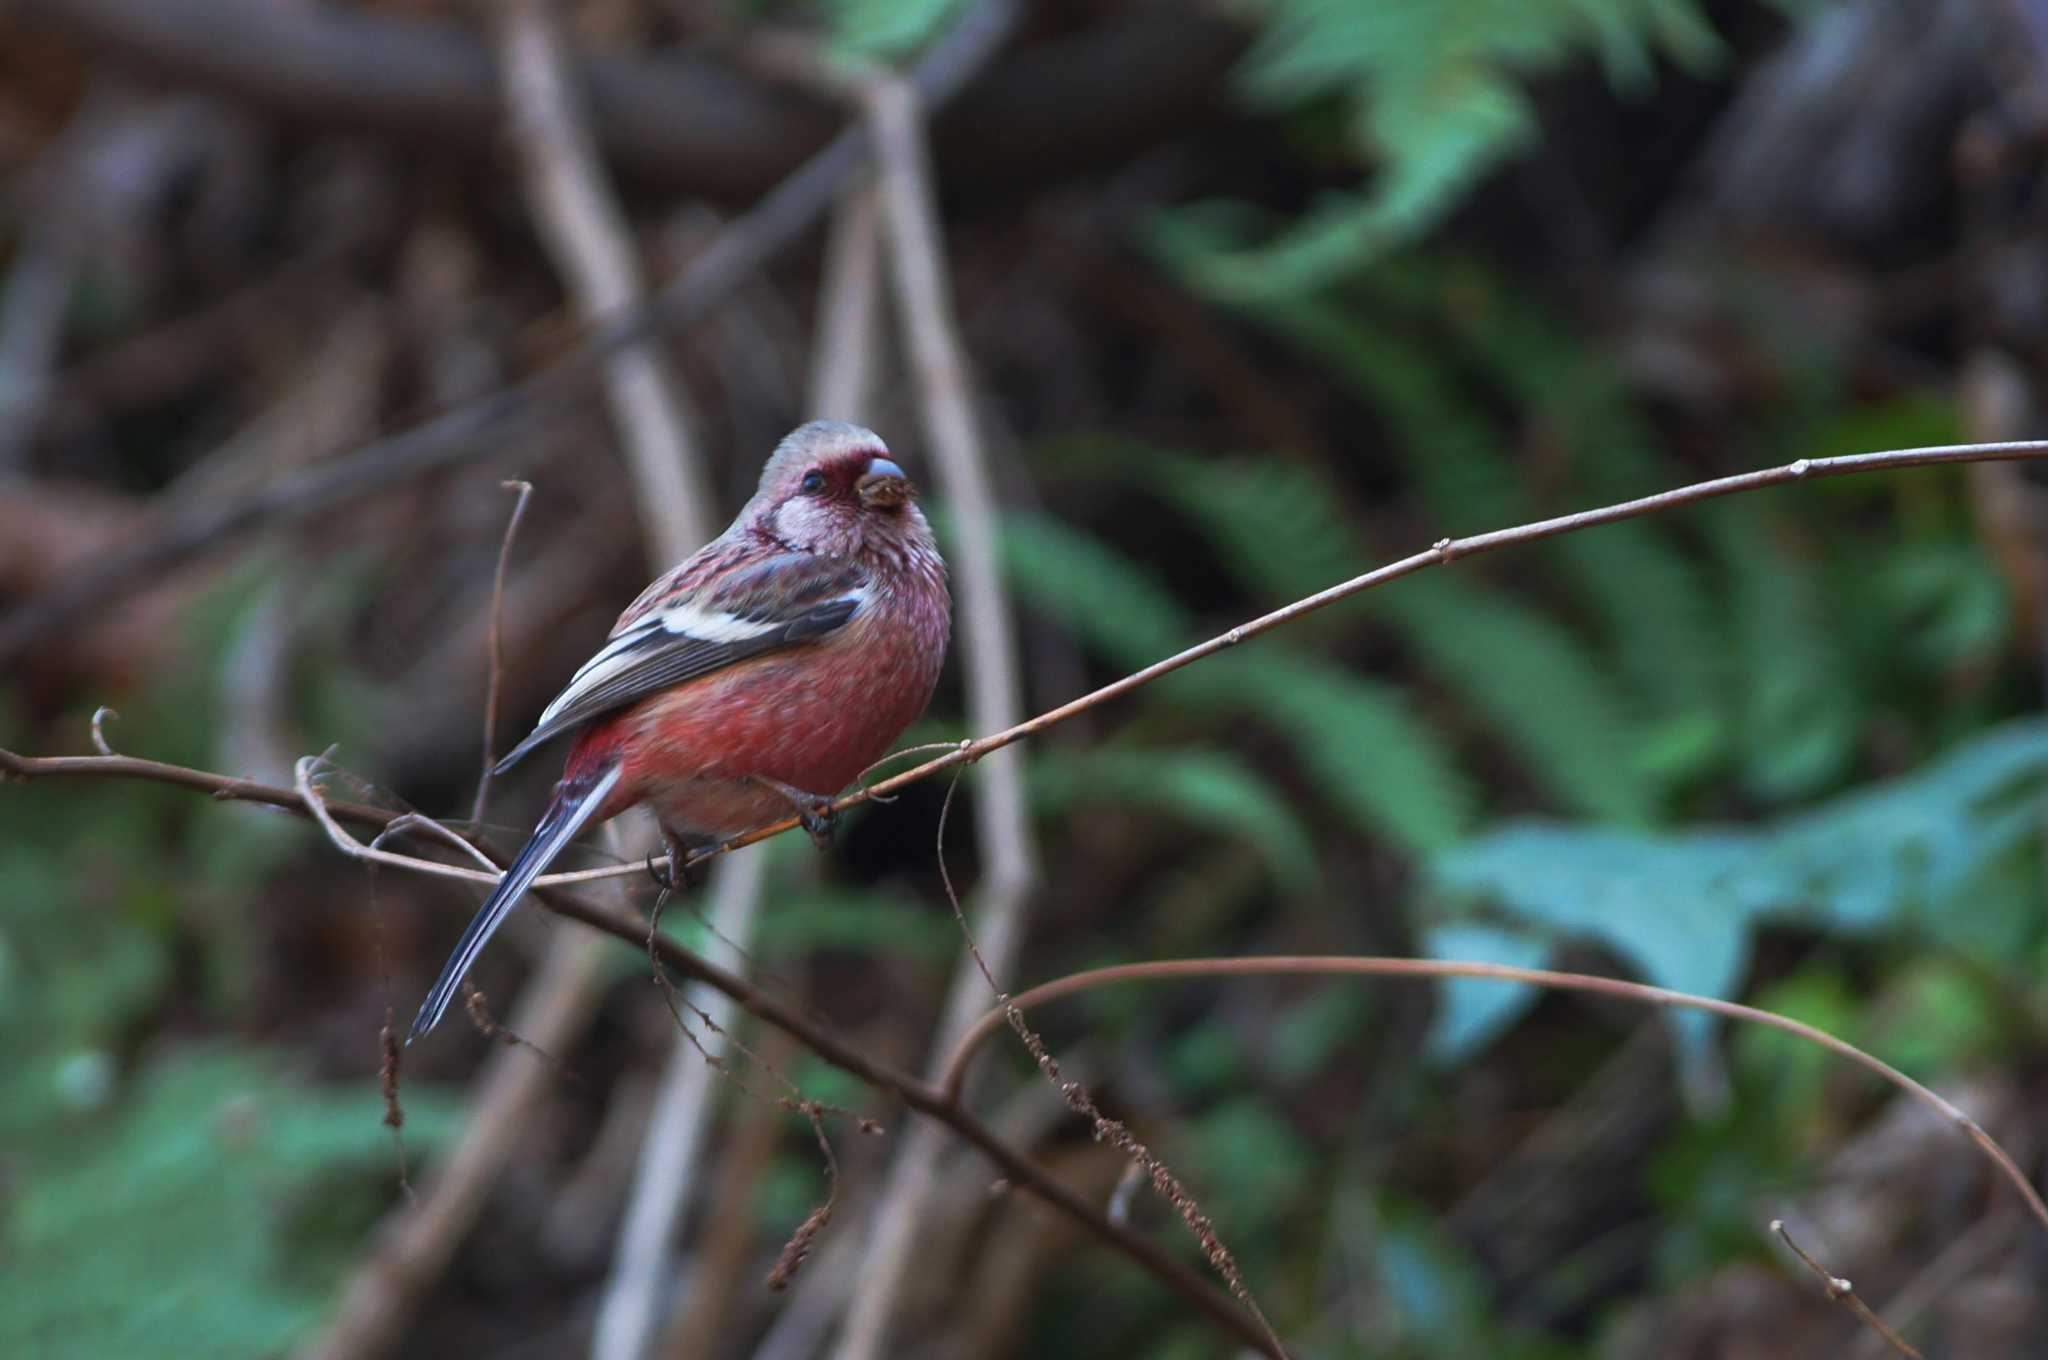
(758, 677)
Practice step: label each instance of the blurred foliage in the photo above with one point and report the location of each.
(1933, 852)
(1432, 95)
(1661, 657)
(1772, 747)
(215, 1193)
(222, 1204)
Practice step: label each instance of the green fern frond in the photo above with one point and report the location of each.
(1798, 711)
(202, 1202)
(880, 29)
(864, 922)
(1276, 526)
(1205, 788)
(1357, 738)
(1654, 613)
(1454, 455)
(1113, 605)
(1535, 684)
(1434, 94)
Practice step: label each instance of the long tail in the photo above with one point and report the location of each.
(574, 805)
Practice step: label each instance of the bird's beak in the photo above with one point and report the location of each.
(884, 486)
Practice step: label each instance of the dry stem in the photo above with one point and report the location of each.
(1842, 1292)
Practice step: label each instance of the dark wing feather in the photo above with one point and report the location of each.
(780, 602)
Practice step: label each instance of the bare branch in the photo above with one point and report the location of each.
(1842, 1292)
(676, 119)
(419, 821)
(849, 321)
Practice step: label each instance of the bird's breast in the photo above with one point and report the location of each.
(813, 718)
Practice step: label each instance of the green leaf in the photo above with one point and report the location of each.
(1536, 686)
(1277, 526)
(1799, 712)
(1681, 906)
(1472, 1012)
(1358, 738)
(1452, 453)
(841, 918)
(1116, 607)
(876, 29)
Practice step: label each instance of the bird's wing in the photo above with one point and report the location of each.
(778, 602)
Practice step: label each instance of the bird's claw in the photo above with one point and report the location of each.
(670, 870)
(814, 812)
(818, 820)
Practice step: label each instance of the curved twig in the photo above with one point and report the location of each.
(419, 821)
(1437, 969)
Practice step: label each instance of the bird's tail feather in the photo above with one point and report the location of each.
(575, 804)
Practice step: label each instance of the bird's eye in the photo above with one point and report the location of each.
(814, 482)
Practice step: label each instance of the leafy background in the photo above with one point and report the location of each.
(1411, 271)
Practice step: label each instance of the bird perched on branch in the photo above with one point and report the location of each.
(763, 674)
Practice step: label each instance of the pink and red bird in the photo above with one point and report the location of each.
(763, 674)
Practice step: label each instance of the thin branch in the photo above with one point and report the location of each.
(419, 821)
(1442, 553)
(1440, 969)
(1842, 1292)
(497, 658)
(924, 308)
(586, 233)
(970, 751)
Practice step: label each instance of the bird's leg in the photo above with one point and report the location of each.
(671, 872)
(814, 812)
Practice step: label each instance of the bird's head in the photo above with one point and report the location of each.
(831, 487)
